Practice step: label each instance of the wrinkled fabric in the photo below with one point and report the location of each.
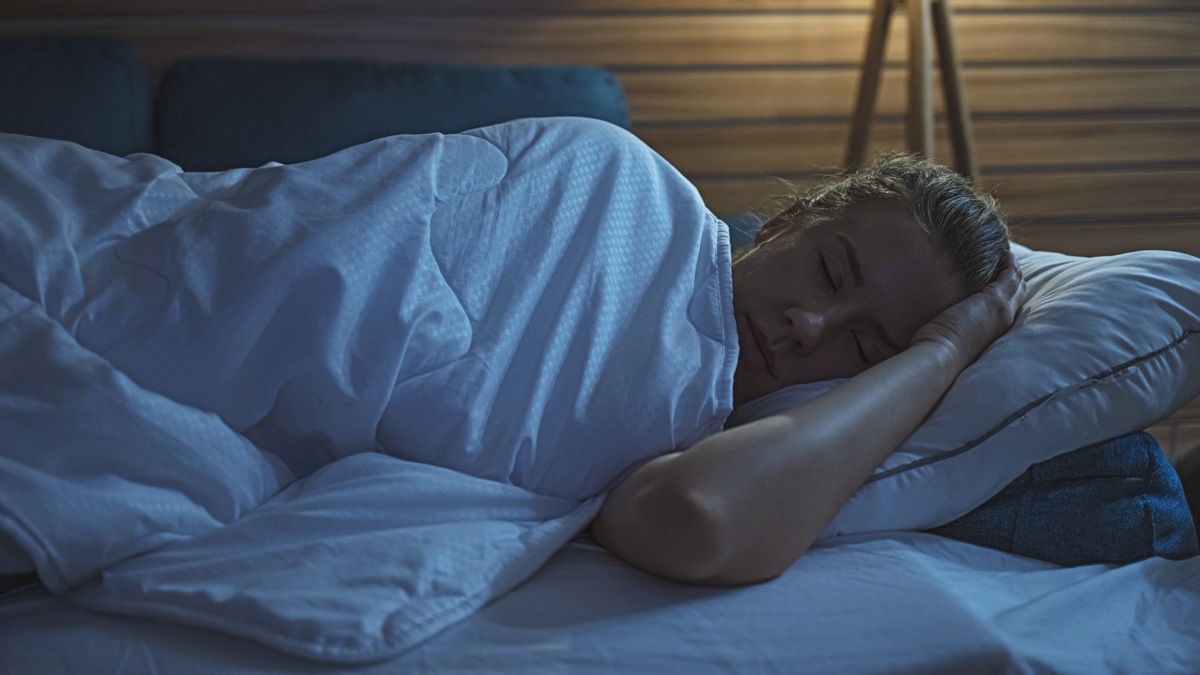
(337, 406)
(893, 602)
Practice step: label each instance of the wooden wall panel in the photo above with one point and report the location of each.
(1185, 437)
(1091, 238)
(1083, 199)
(638, 41)
(785, 148)
(1097, 195)
(75, 8)
(1180, 435)
(769, 94)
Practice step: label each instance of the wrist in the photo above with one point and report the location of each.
(943, 360)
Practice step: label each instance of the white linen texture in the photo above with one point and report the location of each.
(337, 406)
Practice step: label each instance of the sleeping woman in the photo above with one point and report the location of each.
(544, 303)
(897, 277)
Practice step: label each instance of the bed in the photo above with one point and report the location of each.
(957, 556)
(876, 604)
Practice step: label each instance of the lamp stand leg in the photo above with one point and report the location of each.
(928, 20)
(918, 124)
(868, 85)
(957, 114)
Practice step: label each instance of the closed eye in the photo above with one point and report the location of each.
(828, 276)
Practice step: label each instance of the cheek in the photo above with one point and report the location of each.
(911, 296)
(901, 273)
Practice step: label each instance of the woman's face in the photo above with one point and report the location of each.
(831, 300)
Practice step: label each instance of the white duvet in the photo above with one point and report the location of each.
(337, 406)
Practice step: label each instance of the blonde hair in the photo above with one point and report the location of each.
(964, 223)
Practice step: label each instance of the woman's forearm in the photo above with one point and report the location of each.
(743, 505)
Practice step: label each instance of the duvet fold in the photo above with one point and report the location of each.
(337, 406)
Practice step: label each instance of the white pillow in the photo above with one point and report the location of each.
(1104, 347)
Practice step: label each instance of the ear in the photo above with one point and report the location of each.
(779, 223)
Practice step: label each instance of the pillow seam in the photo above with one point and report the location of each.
(1024, 410)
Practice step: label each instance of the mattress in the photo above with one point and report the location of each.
(898, 602)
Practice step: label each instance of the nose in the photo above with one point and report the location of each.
(808, 326)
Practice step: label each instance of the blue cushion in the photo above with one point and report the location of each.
(1114, 502)
(89, 90)
(217, 114)
(742, 228)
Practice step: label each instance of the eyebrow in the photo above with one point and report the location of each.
(856, 270)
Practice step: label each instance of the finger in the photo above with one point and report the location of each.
(1023, 296)
(1009, 263)
(1008, 281)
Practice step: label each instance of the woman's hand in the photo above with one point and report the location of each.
(968, 327)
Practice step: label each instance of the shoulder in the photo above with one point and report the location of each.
(558, 134)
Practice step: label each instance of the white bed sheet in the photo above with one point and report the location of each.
(881, 603)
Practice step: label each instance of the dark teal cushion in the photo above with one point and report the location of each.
(89, 90)
(221, 114)
(742, 228)
(1114, 502)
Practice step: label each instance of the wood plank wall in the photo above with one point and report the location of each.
(1087, 112)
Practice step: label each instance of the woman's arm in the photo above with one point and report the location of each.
(743, 505)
